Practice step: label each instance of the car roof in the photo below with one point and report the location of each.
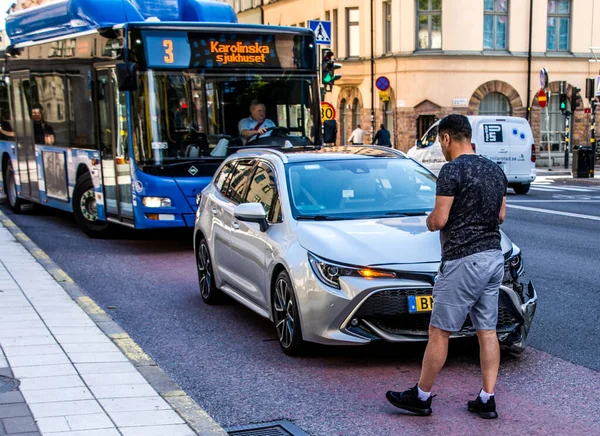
(310, 154)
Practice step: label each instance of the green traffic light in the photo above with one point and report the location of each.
(327, 78)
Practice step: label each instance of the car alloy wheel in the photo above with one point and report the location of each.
(208, 290)
(285, 315)
(204, 271)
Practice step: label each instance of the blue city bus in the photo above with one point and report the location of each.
(120, 111)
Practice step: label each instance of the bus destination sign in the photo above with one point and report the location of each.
(242, 50)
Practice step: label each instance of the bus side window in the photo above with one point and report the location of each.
(6, 128)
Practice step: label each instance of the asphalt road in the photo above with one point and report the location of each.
(229, 361)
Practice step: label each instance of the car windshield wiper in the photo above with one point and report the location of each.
(321, 217)
(408, 213)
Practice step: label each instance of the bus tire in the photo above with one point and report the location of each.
(10, 187)
(84, 208)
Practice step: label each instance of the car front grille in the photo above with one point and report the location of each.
(388, 311)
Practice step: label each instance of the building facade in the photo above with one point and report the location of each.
(442, 56)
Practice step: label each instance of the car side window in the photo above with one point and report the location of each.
(221, 178)
(263, 189)
(239, 180)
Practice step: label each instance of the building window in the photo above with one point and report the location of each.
(559, 25)
(387, 27)
(495, 104)
(352, 32)
(424, 122)
(343, 120)
(334, 29)
(327, 16)
(495, 19)
(355, 113)
(429, 16)
(302, 24)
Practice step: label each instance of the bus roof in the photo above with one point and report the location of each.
(66, 17)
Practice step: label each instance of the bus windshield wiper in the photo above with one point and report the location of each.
(198, 160)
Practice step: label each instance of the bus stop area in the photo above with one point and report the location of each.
(66, 368)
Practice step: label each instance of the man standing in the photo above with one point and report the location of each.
(469, 207)
(257, 124)
(382, 137)
(357, 135)
(42, 131)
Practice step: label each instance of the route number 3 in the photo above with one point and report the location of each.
(169, 55)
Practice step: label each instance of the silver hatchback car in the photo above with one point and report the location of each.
(331, 245)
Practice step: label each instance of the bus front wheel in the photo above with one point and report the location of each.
(84, 208)
(10, 186)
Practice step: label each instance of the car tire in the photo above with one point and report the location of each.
(84, 208)
(10, 187)
(286, 316)
(521, 189)
(206, 279)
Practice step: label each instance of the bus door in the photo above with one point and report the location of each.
(111, 106)
(26, 163)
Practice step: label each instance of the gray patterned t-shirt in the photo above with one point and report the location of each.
(478, 186)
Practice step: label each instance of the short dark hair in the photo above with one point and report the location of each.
(382, 127)
(457, 126)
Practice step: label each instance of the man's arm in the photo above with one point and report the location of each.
(502, 215)
(438, 217)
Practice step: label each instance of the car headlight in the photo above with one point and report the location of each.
(330, 272)
(513, 266)
(156, 202)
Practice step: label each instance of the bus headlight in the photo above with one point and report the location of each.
(156, 202)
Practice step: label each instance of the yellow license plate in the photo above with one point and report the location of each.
(420, 303)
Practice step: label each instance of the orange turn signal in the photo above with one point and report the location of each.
(372, 274)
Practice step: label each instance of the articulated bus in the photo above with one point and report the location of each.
(120, 111)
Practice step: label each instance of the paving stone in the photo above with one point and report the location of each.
(11, 397)
(19, 425)
(14, 410)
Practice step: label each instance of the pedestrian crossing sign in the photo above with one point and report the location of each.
(322, 31)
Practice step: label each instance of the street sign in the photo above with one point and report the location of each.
(322, 31)
(543, 78)
(327, 111)
(382, 83)
(542, 99)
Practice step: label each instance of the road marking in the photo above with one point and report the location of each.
(583, 200)
(560, 188)
(555, 212)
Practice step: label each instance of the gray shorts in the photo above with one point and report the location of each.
(468, 285)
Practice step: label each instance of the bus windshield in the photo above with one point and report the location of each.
(186, 116)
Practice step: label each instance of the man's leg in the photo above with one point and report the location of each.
(489, 354)
(434, 358)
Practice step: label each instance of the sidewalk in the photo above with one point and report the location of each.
(77, 373)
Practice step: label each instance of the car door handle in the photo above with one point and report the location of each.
(214, 211)
(235, 225)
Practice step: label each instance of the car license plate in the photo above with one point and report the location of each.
(420, 303)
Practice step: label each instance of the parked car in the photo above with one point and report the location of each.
(331, 245)
(508, 141)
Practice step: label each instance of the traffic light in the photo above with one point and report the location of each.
(328, 67)
(562, 93)
(574, 101)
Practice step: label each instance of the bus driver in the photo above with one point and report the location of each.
(256, 125)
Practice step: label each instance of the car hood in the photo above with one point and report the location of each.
(371, 242)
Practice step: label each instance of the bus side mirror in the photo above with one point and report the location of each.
(127, 76)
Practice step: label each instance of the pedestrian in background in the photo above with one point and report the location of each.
(469, 207)
(356, 138)
(383, 137)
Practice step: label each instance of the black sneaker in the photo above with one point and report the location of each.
(409, 400)
(484, 410)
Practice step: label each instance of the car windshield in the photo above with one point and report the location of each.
(360, 188)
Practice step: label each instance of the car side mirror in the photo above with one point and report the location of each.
(419, 143)
(252, 213)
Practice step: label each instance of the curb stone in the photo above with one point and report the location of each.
(183, 404)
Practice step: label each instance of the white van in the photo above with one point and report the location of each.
(508, 141)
